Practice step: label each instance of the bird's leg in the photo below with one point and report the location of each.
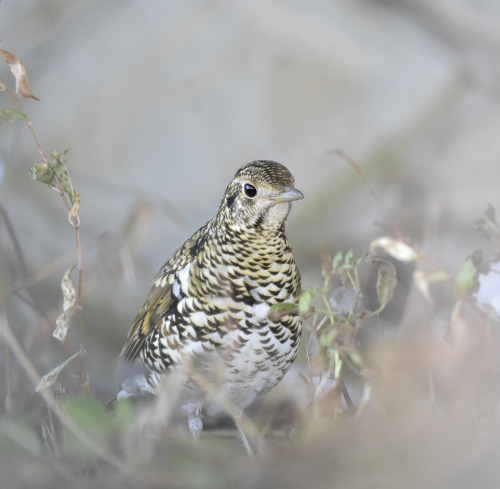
(195, 424)
(239, 421)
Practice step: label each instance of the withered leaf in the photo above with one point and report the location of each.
(49, 379)
(423, 281)
(19, 72)
(69, 307)
(73, 217)
(396, 248)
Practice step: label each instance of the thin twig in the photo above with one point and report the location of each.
(56, 185)
(357, 168)
(395, 230)
(8, 379)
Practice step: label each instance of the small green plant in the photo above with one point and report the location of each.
(53, 172)
(333, 314)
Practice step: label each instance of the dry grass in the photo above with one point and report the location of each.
(431, 418)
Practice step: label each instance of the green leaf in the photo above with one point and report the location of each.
(56, 168)
(305, 301)
(327, 340)
(336, 260)
(277, 311)
(348, 260)
(93, 417)
(467, 278)
(86, 411)
(43, 172)
(123, 412)
(9, 115)
(62, 173)
(386, 281)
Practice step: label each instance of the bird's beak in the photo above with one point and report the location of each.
(289, 195)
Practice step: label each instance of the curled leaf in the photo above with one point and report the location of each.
(49, 379)
(68, 290)
(19, 72)
(396, 248)
(386, 281)
(424, 280)
(73, 216)
(69, 307)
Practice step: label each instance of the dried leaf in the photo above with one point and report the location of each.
(458, 330)
(69, 307)
(62, 324)
(424, 280)
(9, 115)
(386, 281)
(19, 72)
(68, 290)
(396, 248)
(420, 278)
(49, 379)
(73, 216)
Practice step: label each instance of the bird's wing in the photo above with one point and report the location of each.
(157, 301)
(162, 296)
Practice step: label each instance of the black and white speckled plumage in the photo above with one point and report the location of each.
(207, 310)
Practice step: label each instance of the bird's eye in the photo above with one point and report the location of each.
(250, 190)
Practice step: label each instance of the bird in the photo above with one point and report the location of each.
(206, 315)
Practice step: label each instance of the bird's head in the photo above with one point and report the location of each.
(259, 196)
